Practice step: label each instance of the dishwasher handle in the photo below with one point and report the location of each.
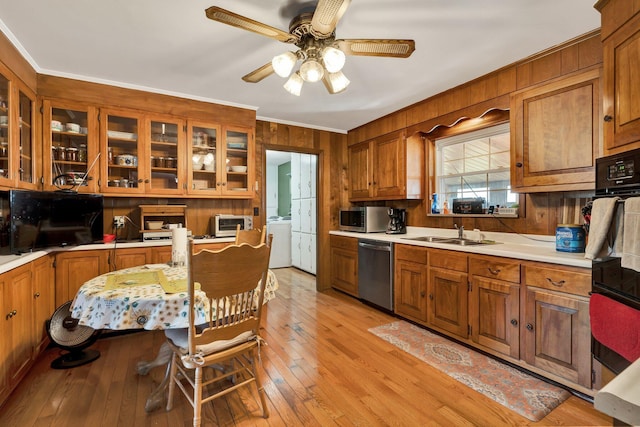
(384, 248)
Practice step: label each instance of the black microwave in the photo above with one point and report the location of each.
(364, 219)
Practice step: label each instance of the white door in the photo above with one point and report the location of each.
(295, 249)
(295, 176)
(305, 175)
(305, 215)
(295, 214)
(305, 252)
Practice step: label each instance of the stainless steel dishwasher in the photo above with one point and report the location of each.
(375, 272)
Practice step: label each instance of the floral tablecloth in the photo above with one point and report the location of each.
(101, 305)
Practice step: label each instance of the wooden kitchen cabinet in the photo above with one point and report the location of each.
(74, 268)
(166, 150)
(494, 304)
(447, 305)
(123, 160)
(556, 333)
(344, 264)
(410, 282)
(555, 134)
(129, 257)
(6, 128)
(621, 62)
(221, 160)
(43, 298)
(389, 167)
(68, 154)
(18, 316)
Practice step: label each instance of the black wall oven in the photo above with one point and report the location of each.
(617, 175)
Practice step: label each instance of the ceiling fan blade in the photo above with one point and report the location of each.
(377, 47)
(327, 15)
(258, 74)
(239, 21)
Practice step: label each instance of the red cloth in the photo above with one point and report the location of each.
(615, 325)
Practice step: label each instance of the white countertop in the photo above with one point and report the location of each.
(528, 247)
(9, 262)
(621, 397)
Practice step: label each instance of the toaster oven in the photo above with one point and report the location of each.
(226, 225)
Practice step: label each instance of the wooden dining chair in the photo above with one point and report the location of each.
(231, 336)
(253, 237)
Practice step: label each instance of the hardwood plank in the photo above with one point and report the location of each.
(321, 367)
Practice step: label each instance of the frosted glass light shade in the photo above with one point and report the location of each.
(333, 59)
(283, 64)
(311, 70)
(335, 82)
(294, 84)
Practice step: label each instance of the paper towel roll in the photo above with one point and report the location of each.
(179, 248)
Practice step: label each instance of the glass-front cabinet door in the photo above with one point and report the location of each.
(122, 161)
(238, 154)
(70, 146)
(5, 131)
(26, 137)
(204, 170)
(166, 157)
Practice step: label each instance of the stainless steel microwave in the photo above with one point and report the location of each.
(226, 225)
(364, 219)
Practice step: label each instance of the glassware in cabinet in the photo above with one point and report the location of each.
(71, 162)
(204, 163)
(239, 150)
(121, 165)
(26, 138)
(166, 141)
(5, 128)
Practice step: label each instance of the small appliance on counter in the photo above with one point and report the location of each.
(468, 205)
(364, 219)
(397, 221)
(225, 225)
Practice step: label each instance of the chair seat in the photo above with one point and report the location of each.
(180, 338)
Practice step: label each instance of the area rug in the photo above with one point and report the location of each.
(516, 390)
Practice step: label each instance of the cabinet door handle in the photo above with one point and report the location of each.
(37, 295)
(518, 164)
(514, 322)
(557, 284)
(494, 272)
(140, 181)
(608, 118)
(146, 181)
(422, 294)
(529, 327)
(431, 297)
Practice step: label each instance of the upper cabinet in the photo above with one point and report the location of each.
(27, 166)
(621, 62)
(390, 167)
(5, 130)
(70, 146)
(555, 134)
(167, 156)
(122, 152)
(221, 160)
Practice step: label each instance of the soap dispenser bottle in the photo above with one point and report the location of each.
(434, 204)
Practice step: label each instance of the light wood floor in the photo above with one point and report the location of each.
(321, 368)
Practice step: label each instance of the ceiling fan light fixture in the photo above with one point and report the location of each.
(294, 84)
(333, 59)
(335, 82)
(283, 64)
(311, 70)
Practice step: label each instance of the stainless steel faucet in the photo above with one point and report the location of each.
(460, 231)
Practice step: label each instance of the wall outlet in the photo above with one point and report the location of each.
(118, 221)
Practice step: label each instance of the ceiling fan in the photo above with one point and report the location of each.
(322, 55)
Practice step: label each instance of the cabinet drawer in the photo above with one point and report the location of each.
(574, 280)
(495, 268)
(449, 260)
(344, 242)
(411, 253)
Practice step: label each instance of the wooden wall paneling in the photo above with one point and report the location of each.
(384, 125)
(19, 66)
(615, 13)
(113, 96)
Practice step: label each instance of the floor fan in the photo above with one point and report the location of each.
(64, 332)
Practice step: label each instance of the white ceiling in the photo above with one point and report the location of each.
(169, 46)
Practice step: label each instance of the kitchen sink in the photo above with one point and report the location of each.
(451, 240)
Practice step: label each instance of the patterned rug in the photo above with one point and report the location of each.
(520, 392)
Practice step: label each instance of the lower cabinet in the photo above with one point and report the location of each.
(494, 304)
(447, 305)
(344, 264)
(410, 282)
(556, 333)
(73, 268)
(129, 257)
(43, 297)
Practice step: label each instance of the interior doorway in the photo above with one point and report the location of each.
(291, 208)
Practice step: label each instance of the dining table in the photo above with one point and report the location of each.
(147, 297)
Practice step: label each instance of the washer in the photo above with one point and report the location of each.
(281, 245)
